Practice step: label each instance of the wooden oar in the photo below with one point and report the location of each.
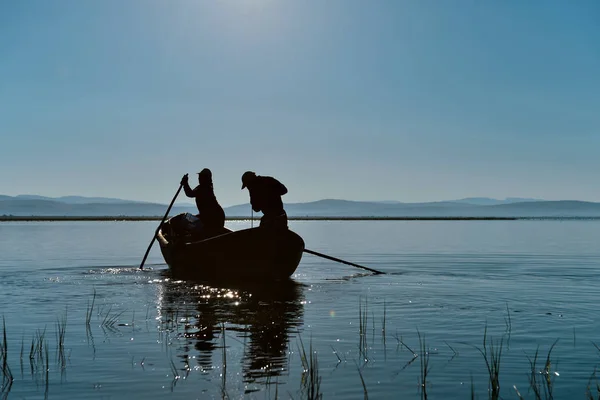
(342, 261)
(159, 225)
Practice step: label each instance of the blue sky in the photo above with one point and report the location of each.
(409, 100)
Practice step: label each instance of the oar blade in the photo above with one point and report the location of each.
(377, 272)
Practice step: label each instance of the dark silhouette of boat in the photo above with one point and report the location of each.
(254, 253)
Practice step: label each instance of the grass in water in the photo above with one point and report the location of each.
(90, 309)
(111, 319)
(424, 365)
(311, 380)
(38, 345)
(541, 375)
(175, 375)
(362, 329)
(383, 322)
(508, 323)
(588, 394)
(362, 381)
(61, 328)
(492, 357)
(545, 385)
(224, 368)
(7, 376)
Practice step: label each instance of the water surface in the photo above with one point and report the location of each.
(529, 283)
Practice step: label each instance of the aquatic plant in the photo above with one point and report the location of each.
(507, 320)
(311, 380)
(588, 394)
(424, 365)
(175, 375)
(224, 366)
(492, 357)
(7, 376)
(90, 309)
(110, 320)
(362, 330)
(547, 374)
(61, 327)
(383, 322)
(38, 345)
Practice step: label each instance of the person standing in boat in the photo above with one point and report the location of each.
(210, 212)
(265, 195)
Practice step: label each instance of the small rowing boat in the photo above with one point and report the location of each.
(247, 254)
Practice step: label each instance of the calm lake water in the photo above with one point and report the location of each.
(529, 283)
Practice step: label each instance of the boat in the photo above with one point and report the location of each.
(247, 254)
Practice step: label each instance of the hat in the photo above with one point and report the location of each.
(206, 172)
(247, 178)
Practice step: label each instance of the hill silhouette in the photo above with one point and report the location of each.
(33, 205)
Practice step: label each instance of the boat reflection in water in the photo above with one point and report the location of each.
(258, 320)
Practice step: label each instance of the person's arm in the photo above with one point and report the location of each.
(186, 187)
(255, 202)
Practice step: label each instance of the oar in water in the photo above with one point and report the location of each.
(342, 261)
(159, 225)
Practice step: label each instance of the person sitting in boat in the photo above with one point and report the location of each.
(210, 213)
(265, 195)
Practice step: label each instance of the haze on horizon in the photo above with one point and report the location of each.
(415, 100)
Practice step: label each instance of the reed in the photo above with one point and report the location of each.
(38, 345)
(383, 321)
(175, 375)
(588, 393)
(508, 320)
(110, 320)
(401, 342)
(454, 352)
(362, 324)
(224, 367)
(21, 355)
(492, 357)
(61, 328)
(311, 380)
(7, 376)
(424, 365)
(336, 354)
(90, 309)
(546, 385)
(362, 381)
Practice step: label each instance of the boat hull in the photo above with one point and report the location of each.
(249, 254)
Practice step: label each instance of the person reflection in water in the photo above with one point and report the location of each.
(265, 195)
(260, 317)
(210, 213)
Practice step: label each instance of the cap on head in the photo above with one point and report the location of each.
(205, 173)
(247, 178)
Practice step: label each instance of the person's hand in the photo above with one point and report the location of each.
(184, 179)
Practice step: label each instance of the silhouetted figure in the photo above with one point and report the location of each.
(211, 213)
(265, 196)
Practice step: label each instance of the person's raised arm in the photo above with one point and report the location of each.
(186, 187)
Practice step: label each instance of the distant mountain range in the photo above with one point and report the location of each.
(33, 205)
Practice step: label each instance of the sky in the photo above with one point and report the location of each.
(407, 100)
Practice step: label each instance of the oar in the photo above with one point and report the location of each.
(159, 225)
(342, 261)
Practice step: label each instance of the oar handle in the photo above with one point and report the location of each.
(159, 225)
(342, 261)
